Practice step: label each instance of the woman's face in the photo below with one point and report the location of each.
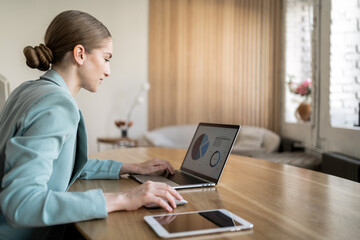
(96, 66)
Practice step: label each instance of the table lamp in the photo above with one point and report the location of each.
(140, 99)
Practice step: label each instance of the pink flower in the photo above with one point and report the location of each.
(303, 89)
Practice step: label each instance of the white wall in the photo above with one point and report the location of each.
(24, 22)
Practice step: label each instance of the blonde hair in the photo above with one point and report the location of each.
(66, 30)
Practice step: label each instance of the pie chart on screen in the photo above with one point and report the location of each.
(200, 147)
(215, 159)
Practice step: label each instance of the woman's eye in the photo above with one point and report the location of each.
(107, 60)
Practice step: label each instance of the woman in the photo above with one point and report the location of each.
(43, 147)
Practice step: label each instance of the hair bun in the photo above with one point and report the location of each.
(39, 57)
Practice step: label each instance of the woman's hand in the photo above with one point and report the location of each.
(149, 192)
(147, 167)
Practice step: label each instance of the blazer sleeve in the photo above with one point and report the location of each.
(101, 169)
(26, 200)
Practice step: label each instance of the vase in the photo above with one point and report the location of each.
(124, 133)
(303, 112)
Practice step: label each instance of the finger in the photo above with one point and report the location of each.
(172, 191)
(162, 203)
(170, 199)
(160, 189)
(158, 201)
(165, 164)
(170, 168)
(159, 168)
(175, 194)
(165, 195)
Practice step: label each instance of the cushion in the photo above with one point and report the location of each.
(251, 137)
(255, 140)
(171, 136)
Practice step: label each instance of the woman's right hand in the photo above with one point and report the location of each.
(148, 192)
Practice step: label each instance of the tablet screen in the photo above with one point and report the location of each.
(175, 223)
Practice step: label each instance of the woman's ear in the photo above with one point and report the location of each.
(79, 54)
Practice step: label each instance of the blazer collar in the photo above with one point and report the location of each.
(53, 76)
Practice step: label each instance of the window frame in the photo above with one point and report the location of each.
(304, 132)
(318, 134)
(330, 138)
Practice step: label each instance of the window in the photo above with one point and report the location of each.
(338, 101)
(298, 55)
(330, 48)
(345, 63)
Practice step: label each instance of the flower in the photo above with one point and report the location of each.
(303, 89)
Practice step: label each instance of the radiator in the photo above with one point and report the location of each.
(341, 165)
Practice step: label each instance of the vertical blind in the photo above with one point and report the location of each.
(215, 61)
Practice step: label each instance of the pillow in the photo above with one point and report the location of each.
(171, 136)
(255, 140)
(251, 137)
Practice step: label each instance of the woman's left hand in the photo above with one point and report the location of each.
(147, 167)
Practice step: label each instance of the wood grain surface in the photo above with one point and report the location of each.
(282, 201)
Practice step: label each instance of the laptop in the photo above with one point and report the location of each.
(204, 161)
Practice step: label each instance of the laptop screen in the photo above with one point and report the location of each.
(209, 150)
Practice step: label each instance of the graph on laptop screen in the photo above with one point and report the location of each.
(209, 150)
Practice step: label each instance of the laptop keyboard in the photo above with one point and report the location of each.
(182, 178)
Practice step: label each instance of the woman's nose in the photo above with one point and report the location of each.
(107, 71)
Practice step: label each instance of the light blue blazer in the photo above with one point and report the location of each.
(43, 150)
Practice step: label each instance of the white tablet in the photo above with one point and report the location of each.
(195, 223)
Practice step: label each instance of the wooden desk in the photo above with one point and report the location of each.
(117, 141)
(282, 201)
